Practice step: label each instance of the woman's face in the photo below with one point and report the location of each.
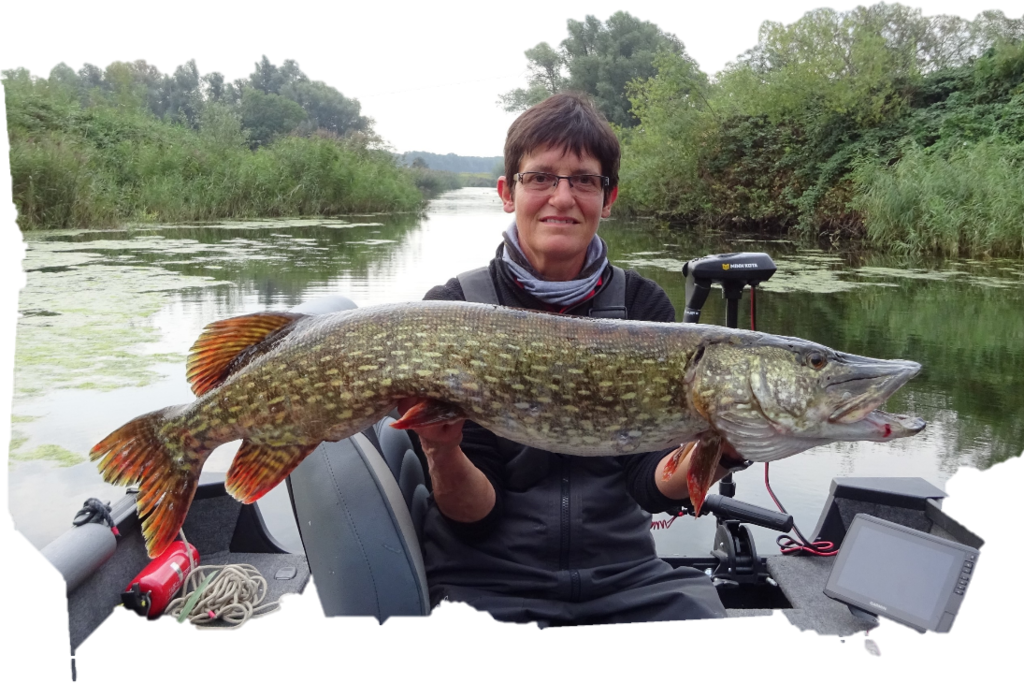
(555, 229)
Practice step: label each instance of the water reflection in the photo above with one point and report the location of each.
(109, 316)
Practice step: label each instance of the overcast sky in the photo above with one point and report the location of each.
(462, 118)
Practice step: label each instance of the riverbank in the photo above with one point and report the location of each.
(108, 161)
(897, 134)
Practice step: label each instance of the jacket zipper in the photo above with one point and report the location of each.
(563, 563)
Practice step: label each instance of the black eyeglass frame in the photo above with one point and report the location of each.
(605, 180)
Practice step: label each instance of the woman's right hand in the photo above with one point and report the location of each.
(461, 491)
(438, 437)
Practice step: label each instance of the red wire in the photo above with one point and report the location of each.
(787, 544)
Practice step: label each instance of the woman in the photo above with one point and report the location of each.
(526, 534)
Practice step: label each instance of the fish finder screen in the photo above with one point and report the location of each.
(898, 572)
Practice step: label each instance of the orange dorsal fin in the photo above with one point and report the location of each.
(226, 346)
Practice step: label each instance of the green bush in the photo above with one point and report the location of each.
(791, 136)
(432, 182)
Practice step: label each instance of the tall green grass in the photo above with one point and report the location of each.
(56, 183)
(971, 202)
(96, 166)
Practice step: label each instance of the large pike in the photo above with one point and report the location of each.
(284, 382)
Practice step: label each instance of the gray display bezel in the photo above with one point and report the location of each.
(950, 605)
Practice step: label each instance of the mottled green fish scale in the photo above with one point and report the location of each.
(332, 377)
(571, 385)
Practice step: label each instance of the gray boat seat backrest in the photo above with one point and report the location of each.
(359, 513)
(358, 532)
(397, 449)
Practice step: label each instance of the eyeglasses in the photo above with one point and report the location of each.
(537, 182)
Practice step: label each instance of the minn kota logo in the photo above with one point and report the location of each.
(725, 266)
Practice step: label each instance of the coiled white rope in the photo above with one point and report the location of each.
(234, 596)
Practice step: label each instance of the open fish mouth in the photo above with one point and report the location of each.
(879, 425)
(866, 383)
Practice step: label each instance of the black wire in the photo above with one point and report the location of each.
(95, 511)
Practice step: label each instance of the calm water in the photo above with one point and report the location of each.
(109, 316)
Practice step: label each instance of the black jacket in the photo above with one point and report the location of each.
(563, 527)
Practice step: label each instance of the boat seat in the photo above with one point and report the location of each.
(359, 511)
(405, 465)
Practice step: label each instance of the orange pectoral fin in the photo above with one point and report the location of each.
(677, 457)
(429, 412)
(703, 463)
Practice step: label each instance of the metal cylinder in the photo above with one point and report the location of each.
(80, 551)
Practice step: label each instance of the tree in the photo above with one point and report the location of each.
(326, 108)
(599, 59)
(266, 115)
(120, 84)
(64, 76)
(221, 126)
(214, 87)
(545, 67)
(183, 95)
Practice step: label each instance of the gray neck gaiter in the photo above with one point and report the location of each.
(562, 294)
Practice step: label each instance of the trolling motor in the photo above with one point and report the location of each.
(734, 548)
(734, 272)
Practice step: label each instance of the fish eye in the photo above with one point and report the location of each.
(816, 359)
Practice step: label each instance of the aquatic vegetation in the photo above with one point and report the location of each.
(17, 440)
(101, 309)
(50, 452)
(58, 455)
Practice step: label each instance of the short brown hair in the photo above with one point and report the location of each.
(567, 120)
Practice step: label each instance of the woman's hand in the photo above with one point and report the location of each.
(441, 437)
(462, 492)
(671, 473)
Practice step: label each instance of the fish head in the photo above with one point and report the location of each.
(771, 397)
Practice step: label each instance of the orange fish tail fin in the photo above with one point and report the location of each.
(166, 474)
(226, 346)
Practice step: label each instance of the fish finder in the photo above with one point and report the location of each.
(909, 576)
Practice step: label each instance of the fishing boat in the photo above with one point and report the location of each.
(359, 504)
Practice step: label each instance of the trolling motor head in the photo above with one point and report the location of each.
(733, 272)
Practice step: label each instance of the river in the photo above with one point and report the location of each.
(107, 318)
